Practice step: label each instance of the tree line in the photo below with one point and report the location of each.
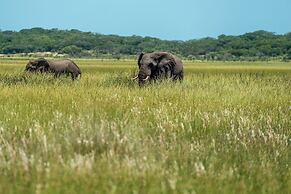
(258, 45)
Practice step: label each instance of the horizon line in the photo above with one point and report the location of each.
(143, 36)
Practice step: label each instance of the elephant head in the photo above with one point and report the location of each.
(157, 65)
(37, 65)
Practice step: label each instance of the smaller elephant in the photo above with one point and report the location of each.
(158, 65)
(57, 67)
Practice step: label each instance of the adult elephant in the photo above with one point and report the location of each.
(157, 65)
(57, 67)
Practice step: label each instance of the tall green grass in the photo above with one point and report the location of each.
(225, 129)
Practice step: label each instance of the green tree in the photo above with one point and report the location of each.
(72, 50)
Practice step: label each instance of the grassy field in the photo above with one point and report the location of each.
(225, 129)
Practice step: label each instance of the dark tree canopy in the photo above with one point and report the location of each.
(259, 44)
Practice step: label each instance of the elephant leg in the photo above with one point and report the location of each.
(178, 76)
(57, 74)
(161, 73)
(181, 76)
(168, 73)
(73, 76)
(41, 69)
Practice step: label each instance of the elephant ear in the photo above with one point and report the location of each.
(139, 59)
(164, 59)
(42, 63)
(165, 62)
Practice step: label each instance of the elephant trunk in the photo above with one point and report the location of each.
(142, 78)
(144, 72)
(30, 68)
(143, 75)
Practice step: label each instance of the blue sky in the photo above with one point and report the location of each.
(165, 19)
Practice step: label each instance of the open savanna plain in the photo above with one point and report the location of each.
(225, 129)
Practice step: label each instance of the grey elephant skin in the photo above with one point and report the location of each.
(159, 65)
(57, 67)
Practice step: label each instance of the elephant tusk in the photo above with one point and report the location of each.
(135, 77)
(146, 78)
